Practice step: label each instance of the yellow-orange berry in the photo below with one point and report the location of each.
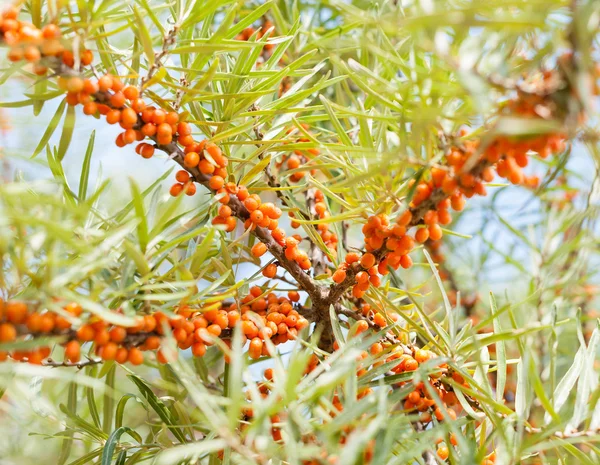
(176, 189)
(270, 270)
(73, 351)
(259, 249)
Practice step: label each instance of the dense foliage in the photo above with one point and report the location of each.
(295, 293)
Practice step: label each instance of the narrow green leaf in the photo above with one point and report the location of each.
(111, 444)
(52, 125)
(85, 168)
(159, 407)
(67, 134)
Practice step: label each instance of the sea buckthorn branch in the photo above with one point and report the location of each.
(238, 209)
(49, 362)
(260, 316)
(168, 41)
(469, 165)
(108, 97)
(428, 206)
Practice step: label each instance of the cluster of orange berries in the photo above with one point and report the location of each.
(111, 342)
(449, 186)
(108, 96)
(267, 316)
(17, 320)
(379, 235)
(290, 244)
(122, 105)
(35, 45)
(261, 317)
(140, 121)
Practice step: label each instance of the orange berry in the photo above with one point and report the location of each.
(176, 189)
(32, 54)
(256, 216)
(117, 99)
(339, 276)
(8, 333)
(430, 217)
(164, 129)
(184, 129)
(270, 270)
(117, 334)
(86, 333)
(182, 176)
(15, 311)
(411, 364)
(147, 150)
(258, 249)
(190, 189)
(352, 257)
(138, 106)
(131, 92)
(90, 108)
(73, 351)
(135, 356)
(435, 232)
(406, 262)
(34, 322)
(216, 182)
(444, 217)
(121, 355)
(86, 57)
(457, 202)
(198, 349)
(191, 160)
(50, 31)
(255, 349)
(108, 351)
(159, 116)
(443, 452)
(172, 118)
(422, 235)
(362, 277)
(367, 260)
(405, 218)
(128, 118)
(129, 136)
(113, 117)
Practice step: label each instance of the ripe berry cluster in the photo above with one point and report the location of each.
(267, 316)
(468, 166)
(261, 316)
(18, 321)
(41, 47)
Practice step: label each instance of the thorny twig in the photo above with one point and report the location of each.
(183, 82)
(79, 365)
(168, 41)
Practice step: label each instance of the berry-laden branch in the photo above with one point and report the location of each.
(468, 165)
